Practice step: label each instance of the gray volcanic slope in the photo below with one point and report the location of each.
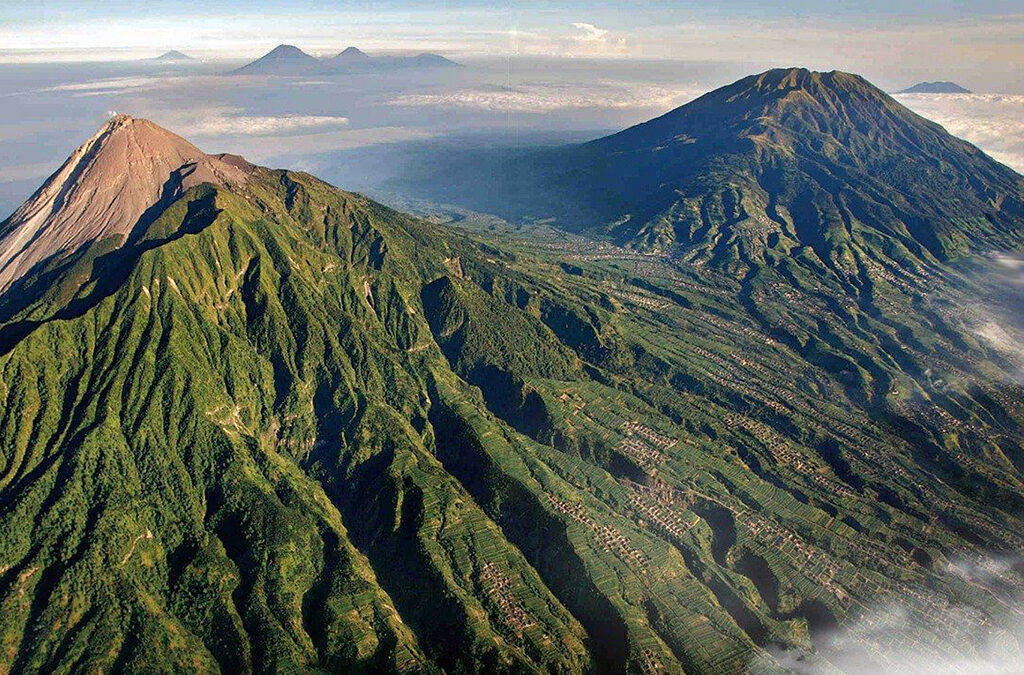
(102, 191)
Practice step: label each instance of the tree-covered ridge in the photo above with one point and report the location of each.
(823, 167)
(161, 474)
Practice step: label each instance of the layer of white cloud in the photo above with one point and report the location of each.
(543, 98)
(224, 121)
(891, 638)
(301, 148)
(110, 85)
(113, 84)
(999, 318)
(262, 138)
(993, 122)
(262, 125)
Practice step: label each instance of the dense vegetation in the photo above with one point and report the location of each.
(289, 429)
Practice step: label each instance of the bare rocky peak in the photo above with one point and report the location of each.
(103, 190)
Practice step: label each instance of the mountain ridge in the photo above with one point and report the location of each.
(288, 60)
(829, 146)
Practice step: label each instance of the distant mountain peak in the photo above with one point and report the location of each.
(776, 164)
(935, 88)
(287, 51)
(103, 190)
(352, 53)
(173, 55)
(792, 131)
(281, 60)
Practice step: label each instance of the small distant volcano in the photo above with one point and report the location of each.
(433, 61)
(935, 88)
(172, 56)
(352, 55)
(281, 60)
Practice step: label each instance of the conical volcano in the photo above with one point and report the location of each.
(281, 60)
(351, 54)
(775, 165)
(789, 159)
(103, 190)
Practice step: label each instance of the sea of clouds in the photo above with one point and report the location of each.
(993, 122)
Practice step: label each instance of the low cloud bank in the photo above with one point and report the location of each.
(996, 313)
(544, 97)
(233, 123)
(895, 638)
(993, 122)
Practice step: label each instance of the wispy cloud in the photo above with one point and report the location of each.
(541, 98)
(596, 41)
(229, 122)
(224, 121)
(110, 85)
(113, 84)
(996, 315)
(262, 138)
(591, 32)
(300, 151)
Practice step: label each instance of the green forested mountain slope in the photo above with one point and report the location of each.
(286, 429)
(794, 160)
(789, 162)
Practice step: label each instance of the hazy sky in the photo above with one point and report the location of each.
(981, 42)
(536, 72)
